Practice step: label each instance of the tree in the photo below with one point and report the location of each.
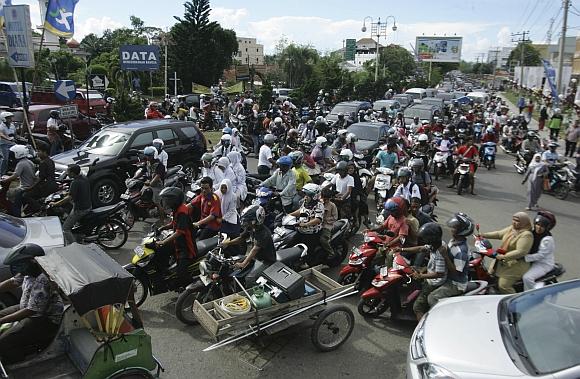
(532, 56)
(297, 61)
(396, 63)
(200, 49)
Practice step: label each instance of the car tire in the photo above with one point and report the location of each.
(105, 192)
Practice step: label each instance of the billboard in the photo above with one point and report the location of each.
(439, 49)
(139, 57)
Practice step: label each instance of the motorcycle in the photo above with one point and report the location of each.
(361, 258)
(560, 179)
(395, 289)
(155, 267)
(523, 159)
(139, 202)
(477, 131)
(489, 151)
(440, 163)
(272, 204)
(464, 180)
(383, 186)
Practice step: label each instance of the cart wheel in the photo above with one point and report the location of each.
(332, 327)
(184, 304)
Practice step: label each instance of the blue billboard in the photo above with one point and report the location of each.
(139, 57)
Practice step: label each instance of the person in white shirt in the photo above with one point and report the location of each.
(265, 158)
(406, 188)
(161, 154)
(344, 185)
(211, 171)
(541, 254)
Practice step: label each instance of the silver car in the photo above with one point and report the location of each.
(535, 334)
(43, 231)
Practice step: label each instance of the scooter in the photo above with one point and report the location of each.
(395, 289)
(489, 151)
(383, 185)
(560, 179)
(440, 163)
(361, 259)
(464, 180)
(523, 159)
(477, 130)
(139, 202)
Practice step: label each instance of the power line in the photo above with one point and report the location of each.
(530, 15)
(543, 12)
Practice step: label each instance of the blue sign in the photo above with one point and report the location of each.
(139, 57)
(551, 76)
(65, 90)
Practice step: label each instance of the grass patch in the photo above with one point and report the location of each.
(213, 137)
(513, 97)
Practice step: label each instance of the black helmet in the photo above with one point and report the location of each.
(341, 166)
(171, 197)
(545, 219)
(54, 113)
(417, 163)
(461, 223)
(254, 214)
(21, 259)
(430, 234)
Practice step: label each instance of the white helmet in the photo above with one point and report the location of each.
(346, 153)
(278, 120)
(341, 132)
(226, 137)
(557, 111)
(158, 141)
(223, 162)
(319, 119)
(423, 138)
(424, 122)
(351, 137)
(321, 141)
(20, 151)
(3, 116)
(286, 103)
(312, 190)
(463, 118)
(269, 138)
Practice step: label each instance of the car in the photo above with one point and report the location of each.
(418, 94)
(96, 103)
(534, 334)
(431, 92)
(379, 104)
(108, 158)
(282, 93)
(349, 108)
(190, 99)
(445, 96)
(14, 231)
(370, 135)
(11, 93)
(478, 97)
(404, 99)
(423, 111)
(438, 102)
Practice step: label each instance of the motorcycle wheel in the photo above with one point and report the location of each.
(347, 279)
(185, 301)
(141, 290)
(112, 235)
(372, 307)
(129, 219)
(340, 252)
(354, 226)
(437, 172)
(460, 186)
(332, 328)
(561, 192)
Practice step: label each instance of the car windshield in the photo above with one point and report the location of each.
(365, 132)
(403, 100)
(105, 142)
(95, 96)
(379, 104)
(547, 326)
(423, 114)
(13, 231)
(414, 95)
(346, 109)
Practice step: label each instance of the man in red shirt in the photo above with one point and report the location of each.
(209, 206)
(467, 151)
(152, 112)
(396, 222)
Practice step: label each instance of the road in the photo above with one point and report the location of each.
(377, 346)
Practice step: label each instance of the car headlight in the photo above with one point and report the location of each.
(432, 371)
(85, 170)
(418, 341)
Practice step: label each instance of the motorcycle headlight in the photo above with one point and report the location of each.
(379, 282)
(418, 341)
(432, 371)
(355, 262)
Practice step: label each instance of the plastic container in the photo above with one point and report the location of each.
(228, 299)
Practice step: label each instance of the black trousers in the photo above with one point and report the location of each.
(570, 149)
(21, 339)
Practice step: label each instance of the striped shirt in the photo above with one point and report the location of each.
(436, 264)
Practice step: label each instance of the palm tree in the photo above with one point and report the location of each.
(298, 61)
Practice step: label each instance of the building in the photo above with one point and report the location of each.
(500, 57)
(249, 51)
(366, 50)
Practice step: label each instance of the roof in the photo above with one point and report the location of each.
(139, 124)
(368, 124)
(352, 103)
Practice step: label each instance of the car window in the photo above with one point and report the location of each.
(189, 131)
(13, 231)
(344, 108)
(142, 141)
(168, 136)
(44, 115)
(5, 88)
(365, 132)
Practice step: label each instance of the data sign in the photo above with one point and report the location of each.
(19, 36)
(139, 57)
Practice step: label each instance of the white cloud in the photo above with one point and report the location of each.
(504, 36)
(227, 17)
(95, 25)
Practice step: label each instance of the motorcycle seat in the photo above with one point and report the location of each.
(204, 246)
(556, 271)
(289, 255)
(173, 171)
(109, 209)
(258, 176)
(337, 225)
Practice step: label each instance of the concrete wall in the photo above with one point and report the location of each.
(533, 77)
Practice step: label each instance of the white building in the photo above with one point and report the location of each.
(249, 52)
(366, 50)
(499, 56)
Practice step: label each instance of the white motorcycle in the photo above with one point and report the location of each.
(383, 185)
(440, 163)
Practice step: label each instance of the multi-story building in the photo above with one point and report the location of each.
(249, 51)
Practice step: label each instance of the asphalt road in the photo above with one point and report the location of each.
(376, 346)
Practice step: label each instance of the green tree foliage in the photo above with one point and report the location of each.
(396, 63)
(482, 68)
(265, 95)
(532, 56)
(200, 49)
(298, 62)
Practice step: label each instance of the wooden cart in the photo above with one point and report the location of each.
(333, 326)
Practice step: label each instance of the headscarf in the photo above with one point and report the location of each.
(525, 223)
(228, 202)
(533, 162)
(239, 184)
(536, 167)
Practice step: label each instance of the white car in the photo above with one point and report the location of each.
(535, 334)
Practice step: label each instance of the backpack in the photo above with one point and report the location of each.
(422, 191)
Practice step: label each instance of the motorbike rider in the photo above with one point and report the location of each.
(489, 135)
(80, 196)
(467, 151)
(277, 128)
(302, 176)
(415, 125)
(152, 112)
(340, 123)
(541, 254)
(159, 145)
(311, 214)
(155, 174)
(532, 143)
(387, 156)
(265, 157)
(24, 173)
(309, 134)
(322, 153)
(417, 212)
(551, 156)
(406, 189)
(423, 180)
(320, 125)
(207, 204)
(330, 217)
(252, 220)
(211, 170)
(7, 135)
(52, 126)
(292, 139)
(182, 238)
(445, 145)
(396, 222)
(45, 182)
(340, 141)
(284, 182)
(344, 185)
(239, 183)
(517, 240)
(224, 147)
(224, 164)
(423, 148)
(39, 312)
(351, 140)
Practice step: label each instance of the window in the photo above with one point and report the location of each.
(246, 49)
(5, 88)
(257, 50)
(168, 136)
(256, 59)
(142, 141)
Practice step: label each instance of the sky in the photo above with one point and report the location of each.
(324, 24)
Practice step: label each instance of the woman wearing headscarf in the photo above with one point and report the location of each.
(240, 173)
(516, 241)
(230, 221)
(541, 254)
(224, 164)
(537, 170)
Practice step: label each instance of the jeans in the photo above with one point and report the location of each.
(73, 217)
(257, 143)
(263, 170)
(17, 203)
(4, 155)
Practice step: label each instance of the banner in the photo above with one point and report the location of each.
(60, 17)
(439, 49)
(236, 88)
(198, 88)
(551, 76)
(2, 5)
(139, 57)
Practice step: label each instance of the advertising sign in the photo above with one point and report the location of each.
(19, 36)
(69, 111)
(139, 57)
(439, 49)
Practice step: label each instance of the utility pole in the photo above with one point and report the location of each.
(566, 6)
(175, 79)
(522, 40)
(495, 64)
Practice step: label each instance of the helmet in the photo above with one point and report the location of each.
(171, 197)
(342, 132)
(321, 141)
(395, 206)
(227, 130)
(416, 118)
(286, 103)
(284, 161)
(417, 163)
(269, 138)
(278, 120)
(150, 151)
(153, 104)
(310, 123)
(461, 223)
(158, 144)
(463, 118)
(226, 138)
(557, 110)
(490, 129)
(341, 166)
(446, 132)
(340, 115)
(297, 157)
(248, 102)
(531, 135)
(19, 151)
(54, 113)
(235, 131)
(404, 172)
(292, 131)
(346, 155)
(423, 138)
(351, 137)
(20, 258)
(553, 145)
(207, 157)
(312, 190)
(425, 122)
(3, 116)
(304, 119)
(545, 219)
(319, 119)
(223, 162)
(431, 234)
(254, 214)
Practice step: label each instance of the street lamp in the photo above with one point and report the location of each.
(378, 29)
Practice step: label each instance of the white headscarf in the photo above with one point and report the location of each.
(228, 202)
(240, 172)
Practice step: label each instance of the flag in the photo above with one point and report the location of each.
(3, 3)
(551, 76)
(60, 17)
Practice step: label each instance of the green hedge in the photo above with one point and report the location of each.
(157, 91)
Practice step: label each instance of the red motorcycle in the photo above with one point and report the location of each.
(361, 258)
(395, 289)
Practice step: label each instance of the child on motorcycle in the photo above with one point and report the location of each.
(330, 217)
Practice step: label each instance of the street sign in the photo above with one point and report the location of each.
(139, 57)
(349, 49)
(69, 111)
(242, 72)
(65, 90)
(98, 82)
(19, 36)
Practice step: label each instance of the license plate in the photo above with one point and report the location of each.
(383, 193)
(190, 194)
(139, 251)
(384, 271)
(125, 196)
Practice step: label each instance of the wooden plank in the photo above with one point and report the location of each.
(206, 320)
